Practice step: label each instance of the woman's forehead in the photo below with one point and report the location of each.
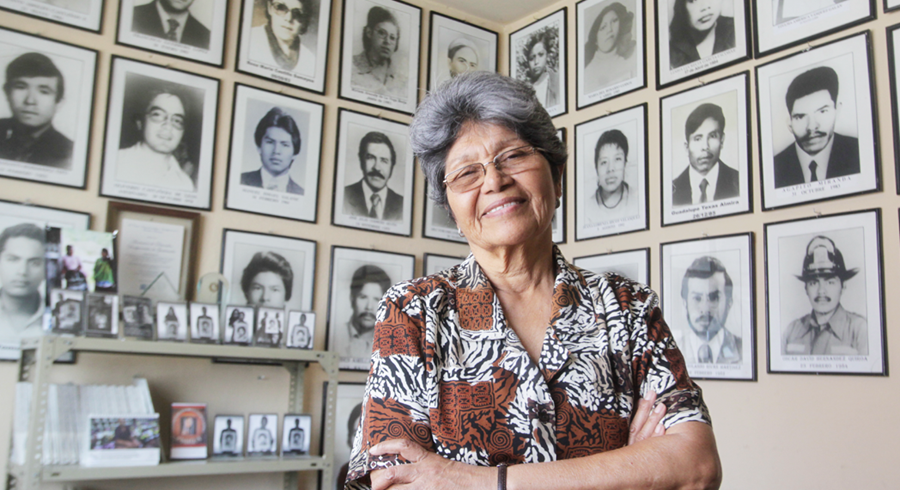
(475, 140)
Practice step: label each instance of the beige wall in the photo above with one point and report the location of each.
(783, 431)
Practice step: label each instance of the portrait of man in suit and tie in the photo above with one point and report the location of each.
(371, 196)
(172, 20)
(707, 178)
(278, 142)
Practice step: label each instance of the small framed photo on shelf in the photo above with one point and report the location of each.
(204, 323)
(781, 24)
(66, 311)
(189, 431)
(301, 329)
(611, 174)
(374, 174)
(611, 55)
(276, 142)
(456, 47)
(633, 264)
(269, 327)
(434, 263)
(538, 56)
(380, 54)
(160, 135)
(191, 30)
(102, 317)
(705, 146)
(347, 416)
(825, 295)
(228, 436)
(285, 41)
(261, 434)
(816, 119)
(296, 432)
(85, 260)
(171, 321)
(359, 279)
(83, 14)
(45, 123)
(137, 317)
(438, 224)
(695, 39)
(239, 323)
(707, 296)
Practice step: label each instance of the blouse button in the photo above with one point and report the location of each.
(545, 417)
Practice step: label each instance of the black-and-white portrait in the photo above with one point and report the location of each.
(558, 223)
(824, 286)
(708, 303)
(137, 317)
(228, 435)
(817, 138)
(296, 431)
(301, 329)
(159, 135)
(270, 327)
(374, 174)
(23, 269)
(239, 322)
(781, 24)
(538, 56)
(706, 151)
(191, 29)
(102, 315)
(699, 36)
(261, 431)
(45, 113)
(893, 39)
(610, 44)
(633, 264)
(380, 53)
(268, 270)
(611, 174)
(434, 263)
(275, 147)
(171, 321)
(66, 311)
(347, 416)
(204, 323)
(83, 14)
(457, 47)
(285, 41)
(437, 222)
(359, 279)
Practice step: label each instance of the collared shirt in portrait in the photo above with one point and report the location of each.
(358, 346)
(822, 158)
(450, 374)
(180, 18)
(599, 211)
(724, 345)
(11, 333)
(261, 51)
(712, 178)
(845, 334)
(49, 148)
(368, 193)
(608, 69)
(140, 165)
(271, 182)
(388, 79)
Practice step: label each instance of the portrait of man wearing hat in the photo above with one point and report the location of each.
(828, 329)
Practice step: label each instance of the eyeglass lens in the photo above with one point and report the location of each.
(160, 116)
(295, 13)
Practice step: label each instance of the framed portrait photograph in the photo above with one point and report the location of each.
(301, 330)
(612, 56)
(81, 260)
(437, 222)
(347, 414)
(228, 436)
(160, 135)
(66, 311)
(633, 264)
(270, 271)
(891, 5)
(359, 279)
(137, 317)
(296, 431)
(374, 174)
(816, 120)
(781, 24)
(538, 56)
(83, 14)
(825, 295)
(285, 41)
(558, 224)
(189, 29)
(47, 109)
(261, 431)
(705, 146)
(276, 143)
(611, 174)
(708, 302)
(269, 327)
(204, 322)
(171, 321)
(239, 325)
(893, 40)
(457, 47)
(101, 315)
(434, 263)
(696, 38)
(380, 54)
(23, 290)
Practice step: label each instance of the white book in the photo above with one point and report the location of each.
(21, 417)
(144, 389)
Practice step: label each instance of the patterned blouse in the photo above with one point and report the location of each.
(448, 373)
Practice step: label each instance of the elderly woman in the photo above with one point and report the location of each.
(613, 199)
(515, 357)
(698, 30)
(609, 52)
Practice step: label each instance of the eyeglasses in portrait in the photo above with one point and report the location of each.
(261, 431)
(633, 264)
(171, 321)
(347, 414)
(228, 436)
(825, 299)
(538, 56)
(82, 14)
(456, 47)
(160, 135)
(781, 24)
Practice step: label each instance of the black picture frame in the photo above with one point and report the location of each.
(91, 21)
(347, 399)
(891, 5)
(613, 262)
(437, 223)
(765, 16)
(561, 216)
(520, 39)
(893, 46)
(471, 32)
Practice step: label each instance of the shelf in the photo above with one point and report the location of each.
(183, 468)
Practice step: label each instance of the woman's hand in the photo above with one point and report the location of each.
(647, 421)
(427, 470)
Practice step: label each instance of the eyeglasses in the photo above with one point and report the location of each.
(160, 116)
(383, 34)
(510, 162)
(294, 14)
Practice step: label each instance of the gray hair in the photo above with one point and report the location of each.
(480, 97)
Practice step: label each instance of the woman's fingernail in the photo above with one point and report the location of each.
(660, 408)
(660, 428)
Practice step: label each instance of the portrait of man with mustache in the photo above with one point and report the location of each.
(370, 196)
(367, 286)
(707, 295)
(818, 152)
(707, 178)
